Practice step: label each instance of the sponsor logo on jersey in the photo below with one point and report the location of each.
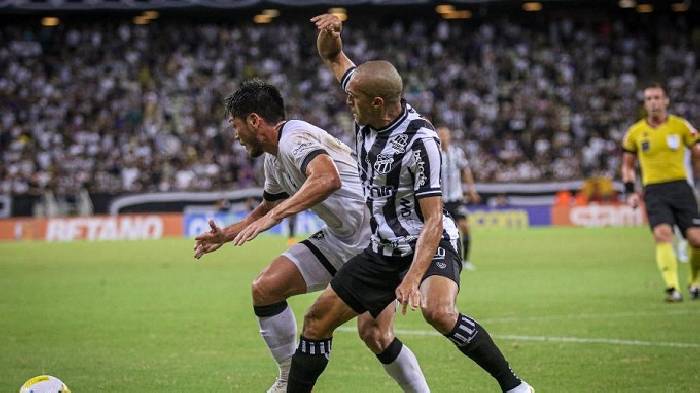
(420, 169)
(380, 191)
(301, 148)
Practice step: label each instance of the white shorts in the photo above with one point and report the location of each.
(322, 254)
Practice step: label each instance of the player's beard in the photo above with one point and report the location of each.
(255, 151)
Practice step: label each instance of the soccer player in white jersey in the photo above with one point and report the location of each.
(455, 174)
(412, 256)
(305, 168)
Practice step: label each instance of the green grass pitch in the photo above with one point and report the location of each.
(574, 310)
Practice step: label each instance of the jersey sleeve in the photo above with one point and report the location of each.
(300, 148)
(347, 76)
(690, 136)
(629, 143)
(425, 165)
(272, 191)
(462, 161)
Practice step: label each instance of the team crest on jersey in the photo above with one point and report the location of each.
(383, 163)
(399, 143)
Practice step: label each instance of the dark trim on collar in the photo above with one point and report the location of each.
(279, 133)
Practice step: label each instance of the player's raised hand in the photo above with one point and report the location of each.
(251, 231)
(328, 23)
(209, 241)
(408, 294)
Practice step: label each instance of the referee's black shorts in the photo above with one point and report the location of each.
(672, 203)
(368, 281)
(456, 209)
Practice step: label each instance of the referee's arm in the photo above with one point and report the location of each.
(629, 177)
(330, 45)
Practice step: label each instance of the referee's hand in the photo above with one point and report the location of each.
(407, 293)
(633, 200)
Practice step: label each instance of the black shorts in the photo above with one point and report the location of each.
(368, 281)
(672, 203)
(456, 209)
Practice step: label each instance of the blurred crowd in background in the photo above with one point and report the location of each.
(114, 107)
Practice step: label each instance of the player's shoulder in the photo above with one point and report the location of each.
(638, 126)
(679, 123)
(297, 132)
(293, 128)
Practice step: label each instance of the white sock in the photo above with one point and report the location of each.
(406, 372)
(280, 332)
(522, 388)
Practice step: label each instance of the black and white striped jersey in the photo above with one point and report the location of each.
(399, 164)
(453, 163)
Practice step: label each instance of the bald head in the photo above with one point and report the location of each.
(379, 78)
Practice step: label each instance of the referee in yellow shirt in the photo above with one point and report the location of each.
(659, 143)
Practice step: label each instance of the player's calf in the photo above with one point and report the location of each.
(475, 342)
(308, 362)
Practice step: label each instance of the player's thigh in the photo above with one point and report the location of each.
(316, 261)
(325, 315)
(278, 281)
(686, 214)
(377, 332)
(659, 213)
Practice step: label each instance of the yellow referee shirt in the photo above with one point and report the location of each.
(661, 150)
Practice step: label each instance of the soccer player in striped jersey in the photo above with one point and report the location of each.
(412, 255)
(455, 173)
(305, 168)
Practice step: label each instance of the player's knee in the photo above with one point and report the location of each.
(313, 327)
(375, 338)
(693, 237)
(663, 234)
(263, 291)
(442, 317)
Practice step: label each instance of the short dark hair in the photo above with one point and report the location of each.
(656, 85)
(256, 96)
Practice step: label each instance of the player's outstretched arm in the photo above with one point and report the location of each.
(330, 45)
(695, 159)
(408, 293)
(628, 178)
(210, 241)
(322, 179)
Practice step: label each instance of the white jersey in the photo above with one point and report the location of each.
(344, 211)
(453, 163)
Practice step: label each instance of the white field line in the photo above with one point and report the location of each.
(627, 314)
(560, 339)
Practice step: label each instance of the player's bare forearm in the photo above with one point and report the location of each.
(429, 238)
(263, 208)
(695, 158)
(322, 180)
(627, 170)
(330, 45)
